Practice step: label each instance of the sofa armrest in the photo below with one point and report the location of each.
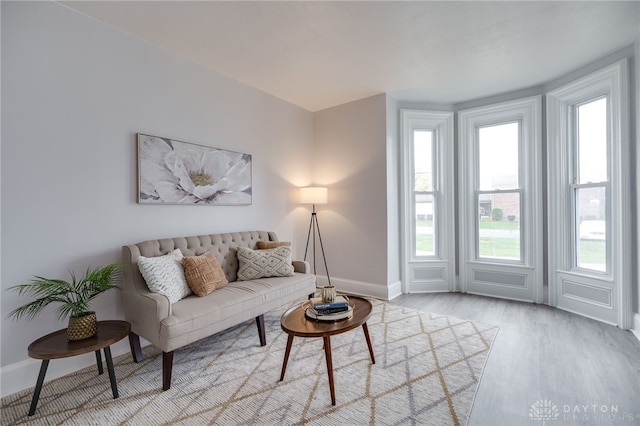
(301, 266)
(142, 308)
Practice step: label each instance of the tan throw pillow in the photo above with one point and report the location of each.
(203, 273)
(264, 263)
(265, 245)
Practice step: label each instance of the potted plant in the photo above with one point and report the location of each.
(73, 297)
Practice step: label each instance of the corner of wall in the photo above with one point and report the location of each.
(394, 262)
(635, 108)
(636, 326)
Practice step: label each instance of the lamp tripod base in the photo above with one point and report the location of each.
(314, 228)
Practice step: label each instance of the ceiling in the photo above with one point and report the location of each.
(321, 54)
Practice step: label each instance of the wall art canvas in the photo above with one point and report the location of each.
(175, 172)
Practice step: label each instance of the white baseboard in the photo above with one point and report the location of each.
(22, 375)
(395, 290)
(636, 326)
(378, 291)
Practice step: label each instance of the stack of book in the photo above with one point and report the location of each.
(329, 311)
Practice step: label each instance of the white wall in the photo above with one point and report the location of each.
(350, 159)
(74, 94)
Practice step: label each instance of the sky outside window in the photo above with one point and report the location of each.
(498, 156)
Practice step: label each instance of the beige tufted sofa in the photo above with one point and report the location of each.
(171, 326)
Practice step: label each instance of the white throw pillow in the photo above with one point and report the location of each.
(165, 275)
(264, 263)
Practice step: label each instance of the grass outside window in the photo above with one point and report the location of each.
(591, 251)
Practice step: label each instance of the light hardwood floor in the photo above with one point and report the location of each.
(588, 370)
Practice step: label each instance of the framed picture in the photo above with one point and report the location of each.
(175, 172)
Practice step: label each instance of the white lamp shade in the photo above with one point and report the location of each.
(313, 195)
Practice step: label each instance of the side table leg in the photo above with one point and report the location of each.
(99, 362)
(365, 327)
(327, 355)
(36, 392)
(112, 373)
(286, 356)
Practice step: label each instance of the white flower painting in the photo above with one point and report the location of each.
(174, 172)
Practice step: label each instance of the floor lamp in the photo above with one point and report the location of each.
(314, 195)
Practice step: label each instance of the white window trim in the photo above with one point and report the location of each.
(529, 112)
(519, 190)
(444, 261)
(613, 82)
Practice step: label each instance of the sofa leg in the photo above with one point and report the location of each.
(261, 332)
(136, 351)
(167, 366)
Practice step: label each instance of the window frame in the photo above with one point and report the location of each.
(496, 277)
(611, 81)
(434, 193)
(432, 273)
(518, 190)
(575, 186)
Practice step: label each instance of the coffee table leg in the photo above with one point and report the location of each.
(365, 327)
(112, 373)
(286, 356)
(36, 392)
(99, 362)
(327, 355)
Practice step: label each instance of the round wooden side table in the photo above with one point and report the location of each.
(56, 345)
(294, 322)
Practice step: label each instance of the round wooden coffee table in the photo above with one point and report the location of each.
(295, 323)
(56, 345)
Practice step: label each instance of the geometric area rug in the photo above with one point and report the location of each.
(427, 371)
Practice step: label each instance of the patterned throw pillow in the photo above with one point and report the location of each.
(203, 273)
(265, 245)
(264, 263)
(165, 275)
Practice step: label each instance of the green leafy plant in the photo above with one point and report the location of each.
(496, 214)
(73, 296)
